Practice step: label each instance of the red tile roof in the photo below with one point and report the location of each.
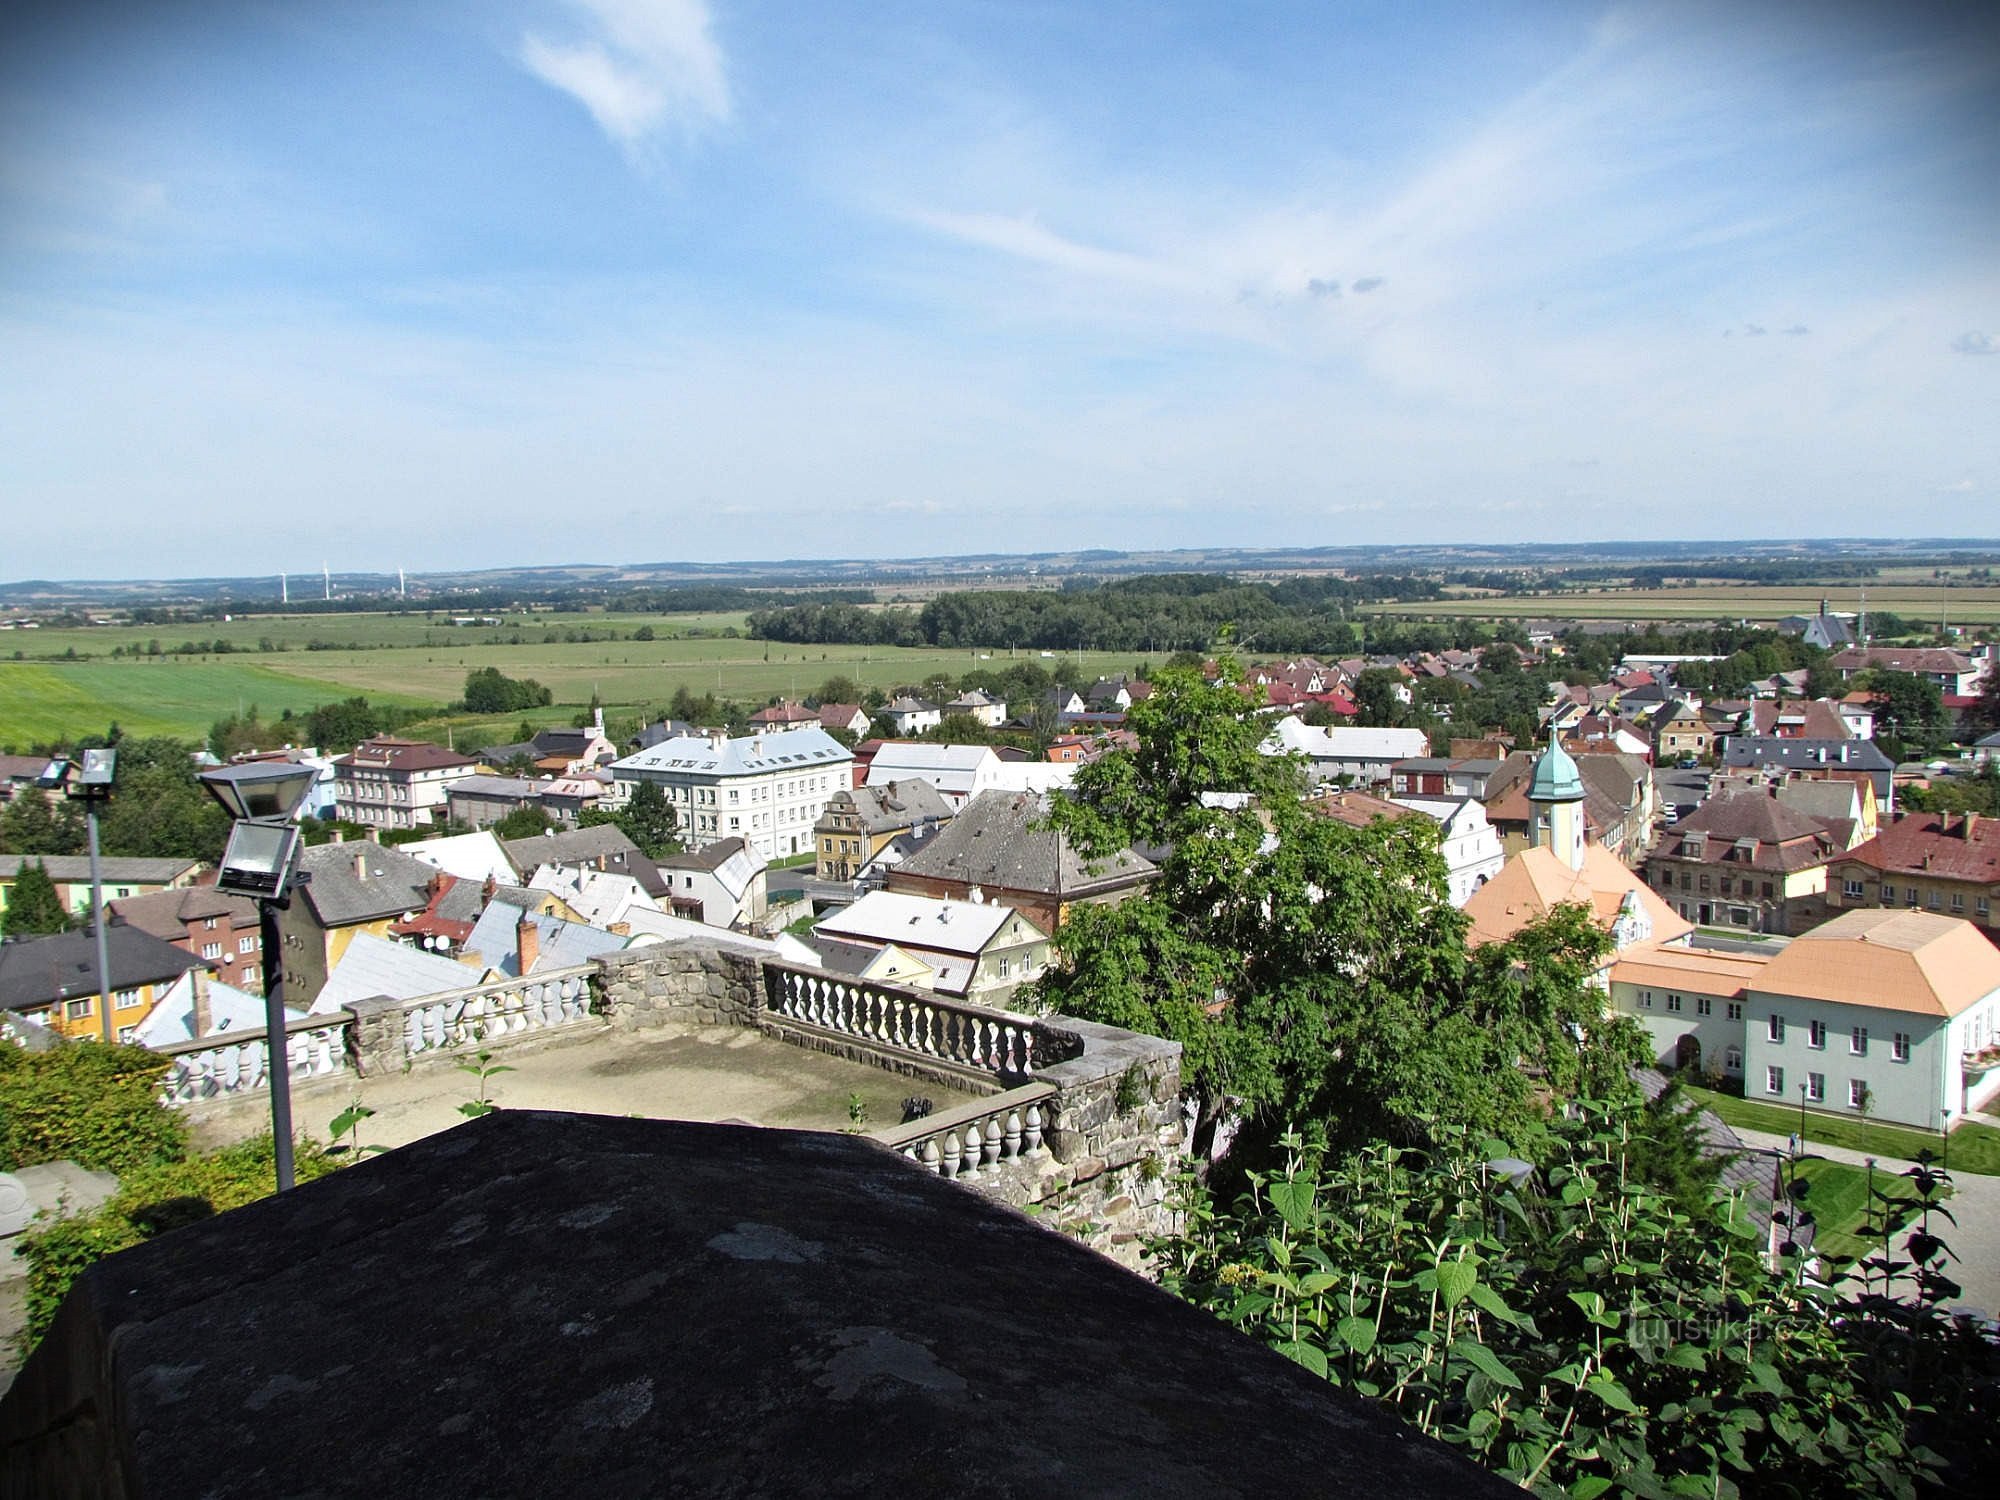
(1952, 846)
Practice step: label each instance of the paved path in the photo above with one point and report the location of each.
(1975, 1204)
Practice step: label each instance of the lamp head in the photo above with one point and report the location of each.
(260, 788)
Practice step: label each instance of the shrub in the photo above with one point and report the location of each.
(93, 1104)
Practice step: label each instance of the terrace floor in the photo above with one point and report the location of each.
(688, 1072)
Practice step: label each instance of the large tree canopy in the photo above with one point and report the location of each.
(1314, 972)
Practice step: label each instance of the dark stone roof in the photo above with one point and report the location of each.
(1812, 755)
(340, 896)
(114, 869)
(709, 857)
(994, 842)
(36, 971)
(603, 847)
(540, 1304)
(895, 804)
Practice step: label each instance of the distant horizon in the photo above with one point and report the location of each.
(1886, 549)
(396, 280)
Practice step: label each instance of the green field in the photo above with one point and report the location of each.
(1971, 605)
(1838, 1201)
(47, 700)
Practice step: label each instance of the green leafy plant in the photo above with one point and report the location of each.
(857, 1114)
(96, 1105)
(348, 1124)
(485, 1070)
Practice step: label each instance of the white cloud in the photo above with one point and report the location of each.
(642, 67)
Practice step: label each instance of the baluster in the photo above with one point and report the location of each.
(951, 1154)
(1011, 1136)
(1032, 1137)
(989, 1147)
(932, 1157)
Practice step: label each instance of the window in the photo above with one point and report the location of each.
(1851, 889)
(1646, 999)
(1936, 900)
(1735, 1010)
(249, 973)
(1857, 1041)
(246, 945)
(79, 1010)
(1958, 900)
(1983, 907)
(1774, 1080)
(1774, 1028)
(1732, 1059)
(1704, 885)
(1909, 895)
(1703, 1005)
(1899, 1046)
(211, 950)
(1816, 1087)
(1003, 967)
(1888, 893)
(208, 924)
(1767, 890)
(1816, 1034)
(124, 1000)
(1673, 1002)
(125, 1035)
(1857, 1092)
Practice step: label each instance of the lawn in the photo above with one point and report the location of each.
(42, 702)
(1838, 1200)
(1973, 1148)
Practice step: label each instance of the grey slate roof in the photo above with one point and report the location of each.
(36, 971)
(376, 966)
(561, 943)
(748, 755)
(115, 869)
(340, 895)
(894, 804)
(1813, 755)
(710, 857)
(993, 842)
(166, 914)
(604, 847)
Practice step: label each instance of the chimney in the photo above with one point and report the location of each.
(338, 836)
(361, 864)
(374, 835)
(717, 739)
(528, 938)
(1969, 825)
(204, 1015)
(620, 929)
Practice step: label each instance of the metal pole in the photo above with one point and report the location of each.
(97, 922)
(277, 1048)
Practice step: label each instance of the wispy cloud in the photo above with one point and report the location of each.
(642, 67)
(1972, 341)
(1029, 240)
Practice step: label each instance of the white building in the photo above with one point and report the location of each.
(722, 884)
(992, 712)
(959, 772)
(976, 950)
(1471, 845)
(1894, 1011)
(1364, 756)
(391, 783)
(766, 790)
(910, 715)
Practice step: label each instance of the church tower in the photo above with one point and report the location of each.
(1556, 793)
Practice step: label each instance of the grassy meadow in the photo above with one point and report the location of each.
(405, 659)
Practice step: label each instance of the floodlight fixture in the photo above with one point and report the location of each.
(262, 789)
(258, 859)
(53, 775)
(98, 768)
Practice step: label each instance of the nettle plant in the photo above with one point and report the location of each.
(1569, 1327)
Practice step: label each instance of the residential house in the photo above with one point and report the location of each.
(848, 718)
(999, 847)
(957, 772)
(560, 750)
(1620, 802)
(990, 711)
(660, 732)
(1857, 711)
(1829, 632)
(348, 889)
(1365, 757)
(395, 783)
(595, 897)
(723, 884)
(1745, 859)
(979, 951)
(121, 877)
(375, 966)
(1442, 776)
(1946, 863)
(481, 801)
(1838, 759)
(906, 715)
(469, 856)
(1952, 671)
(782, 716)
(1680, 730)
(1471, 846)
(1691, 1002)
(768, 790)
(196, 1006)
(857, 824)
(1797, 719)
(603, 847)
(454, 906)
(25, 774)
(1108, 695)
(53, 981)
(219, 929)
(1895, 1014)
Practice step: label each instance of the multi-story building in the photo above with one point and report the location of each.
(1948, 863)
(393, 783)
(858, 823)
(121, 877)
(219, 929)
(1744, 859)
(980, 951)
(768, 790)
(1895, 1014)
(1952, 671)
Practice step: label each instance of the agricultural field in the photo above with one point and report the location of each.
(410, 663)
(1969, 605)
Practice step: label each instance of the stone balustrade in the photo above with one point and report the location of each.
(984, 1136)
(490, 1013)
(236, 1063)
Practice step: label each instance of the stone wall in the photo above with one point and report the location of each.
(652, 986)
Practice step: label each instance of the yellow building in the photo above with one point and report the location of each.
(53, 981)
(857, 825)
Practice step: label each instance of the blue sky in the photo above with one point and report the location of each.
(440, 283)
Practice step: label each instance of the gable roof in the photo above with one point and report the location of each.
(387, 753)
(1911, 961)
(40, 971)
(166, 914)
(374, 966)
(747, 755)
(921, 924)
(995, 844)
(560, 944)
(894, 804)
(1950, 846)
(360, 881)
(72, 869)
(603, 847)
(1536, 881)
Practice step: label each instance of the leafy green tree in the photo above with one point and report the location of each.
(490, 691)
(1909, 711)
(33, 907)
(1572, 1329)
(1985, 711)
(30, 824)
(648, 820)
(1376, 694)
(95, 1105)
(523, 823)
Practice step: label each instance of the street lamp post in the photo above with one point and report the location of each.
(261, 862)
(1802, 1116)
(90, 783)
